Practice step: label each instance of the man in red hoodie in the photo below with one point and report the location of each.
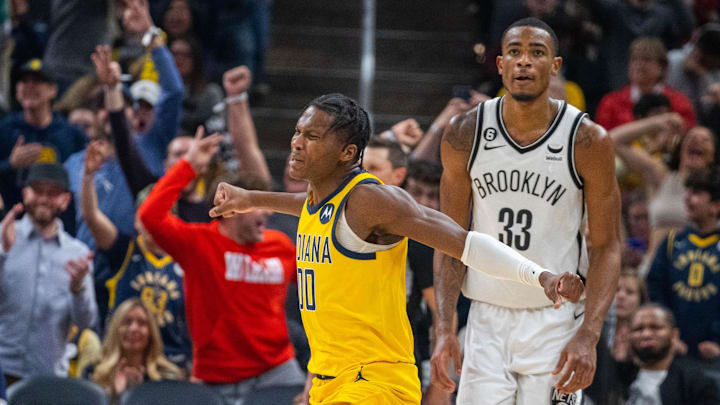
(236, 278)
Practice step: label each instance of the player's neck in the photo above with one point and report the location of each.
(321, 188)
(526, 121)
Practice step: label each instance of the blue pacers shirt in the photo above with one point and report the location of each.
(685, 277)
(158, 282)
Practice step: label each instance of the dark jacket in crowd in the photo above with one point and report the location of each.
(685, 383)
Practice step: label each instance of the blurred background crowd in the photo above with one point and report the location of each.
(111, 270)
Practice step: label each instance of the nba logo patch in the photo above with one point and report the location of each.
(326, 213)
(556, 398)
(490, 134)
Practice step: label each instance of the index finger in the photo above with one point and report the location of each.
(565, 373)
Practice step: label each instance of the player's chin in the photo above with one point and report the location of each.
(296, 173)
(523, 96)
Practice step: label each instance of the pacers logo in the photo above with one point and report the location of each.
(556, 398)
(326, 213)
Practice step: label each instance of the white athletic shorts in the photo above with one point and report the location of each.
(510, 354)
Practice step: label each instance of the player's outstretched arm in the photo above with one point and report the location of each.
(393, 212)
(230, 200)
(594, 154)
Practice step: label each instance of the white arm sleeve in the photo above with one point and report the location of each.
(488, 255)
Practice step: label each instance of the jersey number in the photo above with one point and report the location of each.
(695, 278)
(509, 219)
(306, 288)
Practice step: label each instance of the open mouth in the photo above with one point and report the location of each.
(696, 152)
(523, 78)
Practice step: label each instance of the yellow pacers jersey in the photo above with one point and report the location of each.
(352, 304)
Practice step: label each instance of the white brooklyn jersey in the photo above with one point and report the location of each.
(528, 197)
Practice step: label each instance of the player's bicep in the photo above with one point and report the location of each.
(395, 212)
(594, 154)
(455, 183)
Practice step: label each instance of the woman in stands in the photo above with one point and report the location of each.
(132, 351)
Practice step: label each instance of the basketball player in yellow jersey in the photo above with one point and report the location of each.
(351, 249)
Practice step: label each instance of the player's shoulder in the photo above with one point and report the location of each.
(377, 200)
(591, 136)
(460, 134)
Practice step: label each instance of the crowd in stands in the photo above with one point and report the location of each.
(111, 269)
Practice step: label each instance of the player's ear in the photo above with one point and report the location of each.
(349, 152)
(498, 63)
(556, 65)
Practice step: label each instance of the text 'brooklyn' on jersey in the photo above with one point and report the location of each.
(530, 198)
(351, 292)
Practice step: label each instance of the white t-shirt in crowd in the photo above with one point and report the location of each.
(645, 390)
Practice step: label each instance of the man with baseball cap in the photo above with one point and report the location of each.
(34, 135)
(155, 122)
(145, 94)
(45, 278)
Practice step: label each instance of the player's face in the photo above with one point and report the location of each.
(698, 149)
(527, 62)
(650, 335)
(44, 202)
(134, 331)
(315, 152)
(627, 298)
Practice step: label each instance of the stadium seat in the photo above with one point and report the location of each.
(171, 393)
(274, 395)
(48, 390)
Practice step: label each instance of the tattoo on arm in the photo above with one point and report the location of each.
(586, 133)
(460, 133)
(447, 288)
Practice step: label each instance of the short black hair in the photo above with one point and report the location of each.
(537, 23)
(669, 316)
(349, 119)
(705, 180)
(397, 157)
(649, 102)
(425, 171)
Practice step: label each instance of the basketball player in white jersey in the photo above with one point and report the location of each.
(527, 169)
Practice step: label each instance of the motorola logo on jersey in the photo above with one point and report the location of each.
(557, 398)
(490, 134)
(326, 213)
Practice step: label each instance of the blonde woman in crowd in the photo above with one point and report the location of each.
(132, 351)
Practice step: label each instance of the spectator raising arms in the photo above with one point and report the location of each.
(155, 121)
(149, 274)
(237, 268)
